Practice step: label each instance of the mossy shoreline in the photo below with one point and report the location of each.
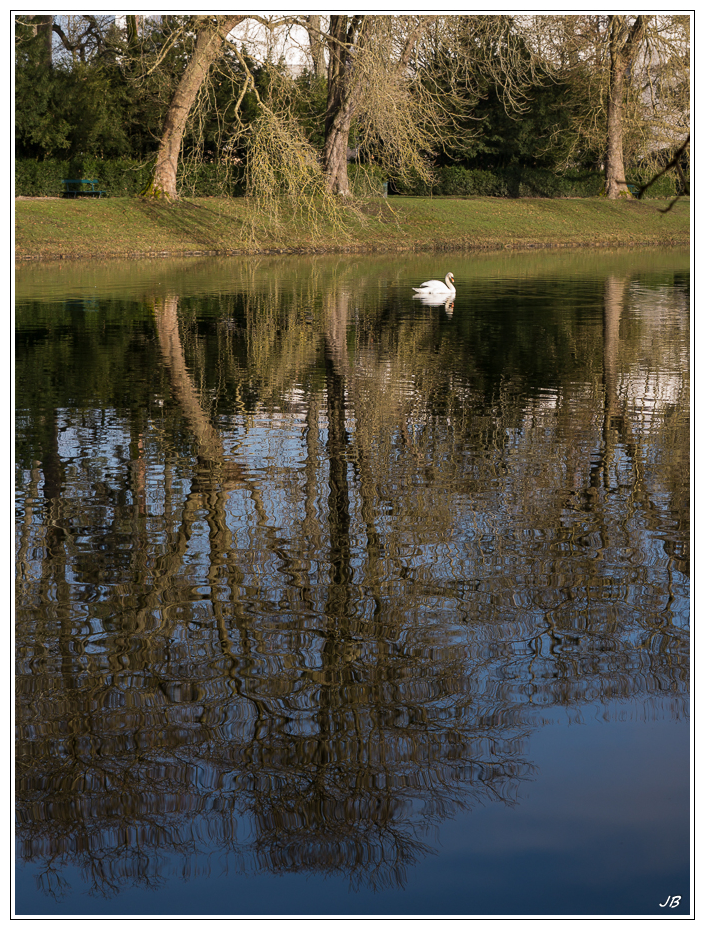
(53, 228)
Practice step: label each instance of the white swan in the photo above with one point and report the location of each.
(438, 287)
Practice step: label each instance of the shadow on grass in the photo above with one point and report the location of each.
(187, 220)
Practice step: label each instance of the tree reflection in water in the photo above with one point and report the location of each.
(303, 596)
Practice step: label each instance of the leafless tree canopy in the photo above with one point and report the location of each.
(394, 91)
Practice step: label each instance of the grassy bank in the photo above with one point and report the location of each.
(48, 228)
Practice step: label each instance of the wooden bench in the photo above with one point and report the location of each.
(73, 187)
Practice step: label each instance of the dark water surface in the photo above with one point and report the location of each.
(332, 602)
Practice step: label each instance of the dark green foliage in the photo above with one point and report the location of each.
(100, 119)
(210, 179)
(495, 138)
(510, 182)
(665, 186)
(120, 177)
(516, 181)
(40, 178)
(77, 108)
(43, 178)
(41, 124)
(311, 108)
(72, 108)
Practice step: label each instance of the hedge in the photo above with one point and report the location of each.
(124, 177)
(524, 182)
(119, 177)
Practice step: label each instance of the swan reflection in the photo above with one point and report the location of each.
(437, 300)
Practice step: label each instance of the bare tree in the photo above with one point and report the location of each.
(370, 80)
(396, 86)
(624, 42)
(211, 32)
(628, 78)
(381, 103)
(81, 37)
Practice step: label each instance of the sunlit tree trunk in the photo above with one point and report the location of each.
(624, 45)
(345, 35)
(210, 36)
(335, 153)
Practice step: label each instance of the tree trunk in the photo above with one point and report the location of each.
(132, 23)
(335, 154)
(343, 89)
(337, 124)
(210, 37)
(624, 44)
(615, 181)
(313, 27)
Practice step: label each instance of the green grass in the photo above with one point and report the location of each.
(56, 228)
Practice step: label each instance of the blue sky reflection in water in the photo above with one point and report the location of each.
(329, 601)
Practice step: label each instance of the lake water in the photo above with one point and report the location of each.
(329, 601)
